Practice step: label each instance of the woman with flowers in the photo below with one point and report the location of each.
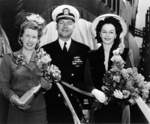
(109, 31)
(21, 74)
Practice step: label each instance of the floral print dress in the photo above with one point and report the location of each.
(17, 77)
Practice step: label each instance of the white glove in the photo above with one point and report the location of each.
(99, 95)
(14, 99)
(118, 94)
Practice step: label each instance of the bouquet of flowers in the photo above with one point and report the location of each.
(127, 80)
(48, 70)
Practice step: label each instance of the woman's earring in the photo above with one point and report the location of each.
(37, 46)
(20, 42)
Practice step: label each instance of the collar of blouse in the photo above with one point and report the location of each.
(20, 54)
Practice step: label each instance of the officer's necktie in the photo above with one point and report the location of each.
(65, 48)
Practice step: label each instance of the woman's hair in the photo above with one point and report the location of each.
(109, 20)
(32, 21)
(30, 25)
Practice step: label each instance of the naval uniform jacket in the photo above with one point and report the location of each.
(70, 73)
(72, 70)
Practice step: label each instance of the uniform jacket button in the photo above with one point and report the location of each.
(72, 74)
(59, 95)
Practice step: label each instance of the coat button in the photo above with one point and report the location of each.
(59, 95)
(72, 74)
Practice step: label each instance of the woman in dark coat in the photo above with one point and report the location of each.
(109, 30)
(19, 73)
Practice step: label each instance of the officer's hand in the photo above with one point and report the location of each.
(99, 95)
(47, 85)
(118, 94)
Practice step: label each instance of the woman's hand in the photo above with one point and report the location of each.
(118, 94)
(24, 107)
(99, 95)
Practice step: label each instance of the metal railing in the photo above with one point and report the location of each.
(113, 5)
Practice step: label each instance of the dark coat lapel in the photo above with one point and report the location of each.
(101, 55)
(73, 47)
(57, 47)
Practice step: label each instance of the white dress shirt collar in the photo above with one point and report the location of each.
(61, 43)
(107, 49)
